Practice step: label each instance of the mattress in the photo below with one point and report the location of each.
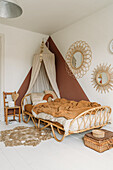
(74, 127)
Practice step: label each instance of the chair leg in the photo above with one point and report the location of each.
(6, 116)
(14, 115)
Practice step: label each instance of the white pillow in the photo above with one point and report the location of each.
(43, 101)
(36, 97)
(51, 92)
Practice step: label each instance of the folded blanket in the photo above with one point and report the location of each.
(64, 108)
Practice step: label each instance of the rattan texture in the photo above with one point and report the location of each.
(84, 48)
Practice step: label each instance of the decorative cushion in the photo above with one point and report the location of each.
(28, 107)
(37, 97)
(15, 96)
(48, 97)
(51, 92)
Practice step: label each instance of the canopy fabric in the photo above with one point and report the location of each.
(43, 75)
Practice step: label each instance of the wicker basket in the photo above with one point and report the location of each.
(99, 144)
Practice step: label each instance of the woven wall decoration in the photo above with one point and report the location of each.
(102, 78)
(79, 58)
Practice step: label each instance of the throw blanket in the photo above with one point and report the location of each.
(64, 108)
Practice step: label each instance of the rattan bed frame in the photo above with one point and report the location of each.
(104, 113)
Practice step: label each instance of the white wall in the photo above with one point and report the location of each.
(97, 31)
(19, 48)
(1, 71)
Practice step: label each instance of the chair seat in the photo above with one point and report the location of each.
(15, 107)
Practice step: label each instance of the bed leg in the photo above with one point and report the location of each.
(24, 118)
(55, 135)
(34, 122)
(45, 126)
(38, 123)
(60, 132)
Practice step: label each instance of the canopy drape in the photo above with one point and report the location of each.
(43, 75)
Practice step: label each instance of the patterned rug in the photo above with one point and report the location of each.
(24, 136)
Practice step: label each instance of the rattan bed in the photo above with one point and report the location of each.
(103, 117)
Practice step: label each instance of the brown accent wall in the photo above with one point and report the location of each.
(24, 87)
(68, 86)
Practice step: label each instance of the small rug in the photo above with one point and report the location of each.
(24, 136)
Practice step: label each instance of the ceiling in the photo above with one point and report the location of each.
(50, 16)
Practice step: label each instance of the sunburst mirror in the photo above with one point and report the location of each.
(78, 58)
(102, 78)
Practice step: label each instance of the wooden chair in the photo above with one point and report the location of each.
(10, 111)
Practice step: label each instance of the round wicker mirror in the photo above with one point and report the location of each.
(103, 78)
(78, 58)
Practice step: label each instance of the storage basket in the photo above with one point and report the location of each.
(99, 144)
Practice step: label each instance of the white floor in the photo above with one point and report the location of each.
(71, 154)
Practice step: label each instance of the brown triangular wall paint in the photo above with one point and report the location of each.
(23, 89)
(68, 86)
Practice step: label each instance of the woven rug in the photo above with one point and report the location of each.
(24, 136)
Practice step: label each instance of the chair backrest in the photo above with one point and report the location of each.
(5, 94)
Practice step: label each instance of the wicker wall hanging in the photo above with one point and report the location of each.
(79, 58)
(102, 78)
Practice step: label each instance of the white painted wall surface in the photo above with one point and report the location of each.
(19, 48)
(2, 42)
(97, 31)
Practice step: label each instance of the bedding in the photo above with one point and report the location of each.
(29, 107)
(64, 111)
(64, 108)
(95, 115)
